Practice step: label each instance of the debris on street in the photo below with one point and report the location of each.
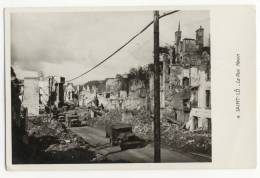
(172, 136)
(50, 141)
(152, 110)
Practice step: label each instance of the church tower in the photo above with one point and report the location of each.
(200, 37)
(178, 36)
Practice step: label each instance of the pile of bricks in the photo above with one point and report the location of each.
(171, 132)
(197, 142)
(50, 141)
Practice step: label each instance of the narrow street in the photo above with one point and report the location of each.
(96, 137)
(153, 111)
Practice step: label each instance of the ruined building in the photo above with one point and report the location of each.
(31, 95)
(185, 81)
(60, 92)
(185, 91)
(70, 93)
(91, 90)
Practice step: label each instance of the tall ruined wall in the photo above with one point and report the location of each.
(189, 45)
(137, 89)
(85, 97)
(44, 91)
(204, 85)
(68, 92)
(31, 95)
(178, 96)
(113, 85)
(136, 98)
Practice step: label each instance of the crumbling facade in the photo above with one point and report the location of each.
(115, 93)
(185, 88)
(43, 92)
(31, 95)
(185, 91)
(70, 93)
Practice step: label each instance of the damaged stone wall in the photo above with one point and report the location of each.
(137, 89)
(189, 45)
(113, 85)
(183, 86)
(31, 95)
(44, 92)
(115, 98)
(69, 92)
(134, 103)
(175, 101)
(177, 96)
(85, 97)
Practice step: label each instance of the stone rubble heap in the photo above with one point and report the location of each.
(52, 141)
(172, 133)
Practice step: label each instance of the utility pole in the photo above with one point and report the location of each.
(157, 134)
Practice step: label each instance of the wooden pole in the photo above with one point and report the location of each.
(157, 135)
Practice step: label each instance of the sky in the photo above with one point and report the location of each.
(69, 43)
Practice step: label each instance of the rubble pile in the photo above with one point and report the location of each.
(141, 122)
(49, 141)
(196, 141)
(42, 126)
(107, 117)
(139, 119)
(172, 133)
(168, 118)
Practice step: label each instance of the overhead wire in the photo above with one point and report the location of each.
(125, 44)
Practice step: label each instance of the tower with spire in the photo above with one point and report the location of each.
(178, 37)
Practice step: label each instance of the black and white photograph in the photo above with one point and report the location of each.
(109, 87)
